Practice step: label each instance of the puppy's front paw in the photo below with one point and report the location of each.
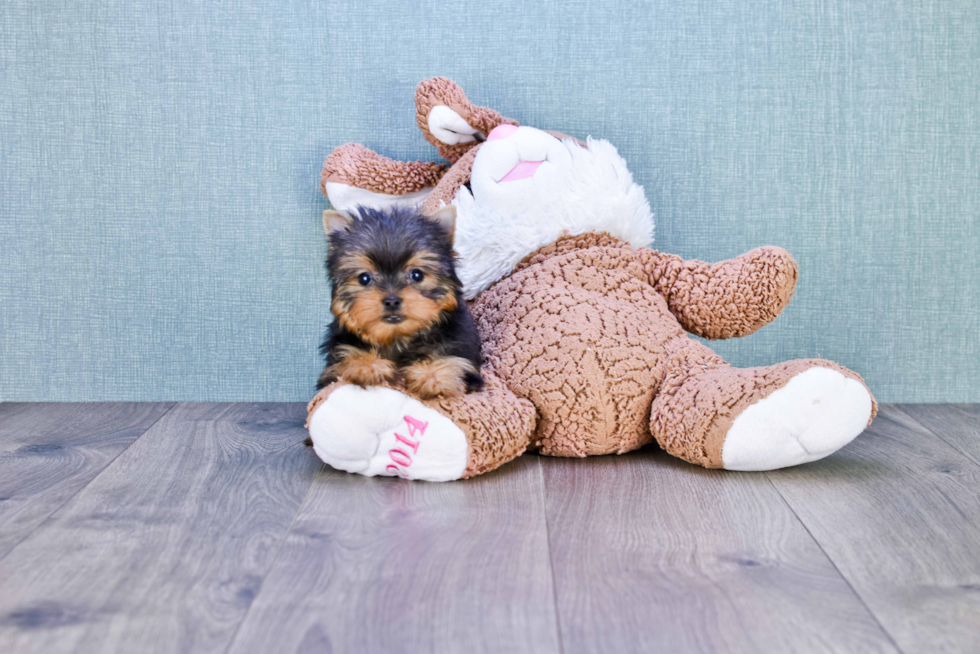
(366, 369)
(444, 377)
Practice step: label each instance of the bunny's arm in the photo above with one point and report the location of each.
(726, 299)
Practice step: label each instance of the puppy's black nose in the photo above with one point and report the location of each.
(392, 302)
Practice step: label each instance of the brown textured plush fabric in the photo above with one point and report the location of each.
(496, 423)
(584, 329)
(444, 91)
(727, 299)
(458, 175)
(577, 330)
(358, 166)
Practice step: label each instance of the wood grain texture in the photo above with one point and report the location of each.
(384, 565)
(48, 452)
(653, 554)
(898, 512)
(957, 424)
(195, 537)
(165, 550)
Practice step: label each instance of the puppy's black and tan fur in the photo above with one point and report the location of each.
(398, 304)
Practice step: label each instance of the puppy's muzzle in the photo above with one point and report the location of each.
(392, 305)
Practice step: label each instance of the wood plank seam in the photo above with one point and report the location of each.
(179, 533)
(272, 563)
(952, 444)
(551, 559)
(897, 513)
(469, 558)
(50, 516)
(834, 564)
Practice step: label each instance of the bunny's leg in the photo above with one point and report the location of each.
(712, 414)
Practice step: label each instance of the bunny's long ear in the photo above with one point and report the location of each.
(355, 176)
(448, 119)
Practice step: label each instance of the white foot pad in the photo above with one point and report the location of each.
(815, 414)
(379, 431)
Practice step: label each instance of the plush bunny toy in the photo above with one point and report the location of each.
(585, 329)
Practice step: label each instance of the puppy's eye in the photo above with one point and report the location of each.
(364, 279)
(417, 275)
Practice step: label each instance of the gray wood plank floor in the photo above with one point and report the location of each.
(208, 527)
(48, 452)
(651, 554)
(371, 566)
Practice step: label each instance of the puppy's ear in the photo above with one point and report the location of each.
(334, 221)
(445, 217)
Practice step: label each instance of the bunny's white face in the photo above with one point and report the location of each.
(528, 189)
(517, 168)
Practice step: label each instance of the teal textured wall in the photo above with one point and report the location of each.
(159, 212)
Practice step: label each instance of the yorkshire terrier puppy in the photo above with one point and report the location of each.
(398, 304)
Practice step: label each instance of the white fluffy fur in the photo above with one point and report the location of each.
(594, 191)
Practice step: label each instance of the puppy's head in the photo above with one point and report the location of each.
(392, 271)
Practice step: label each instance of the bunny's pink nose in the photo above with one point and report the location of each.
(501, 132)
